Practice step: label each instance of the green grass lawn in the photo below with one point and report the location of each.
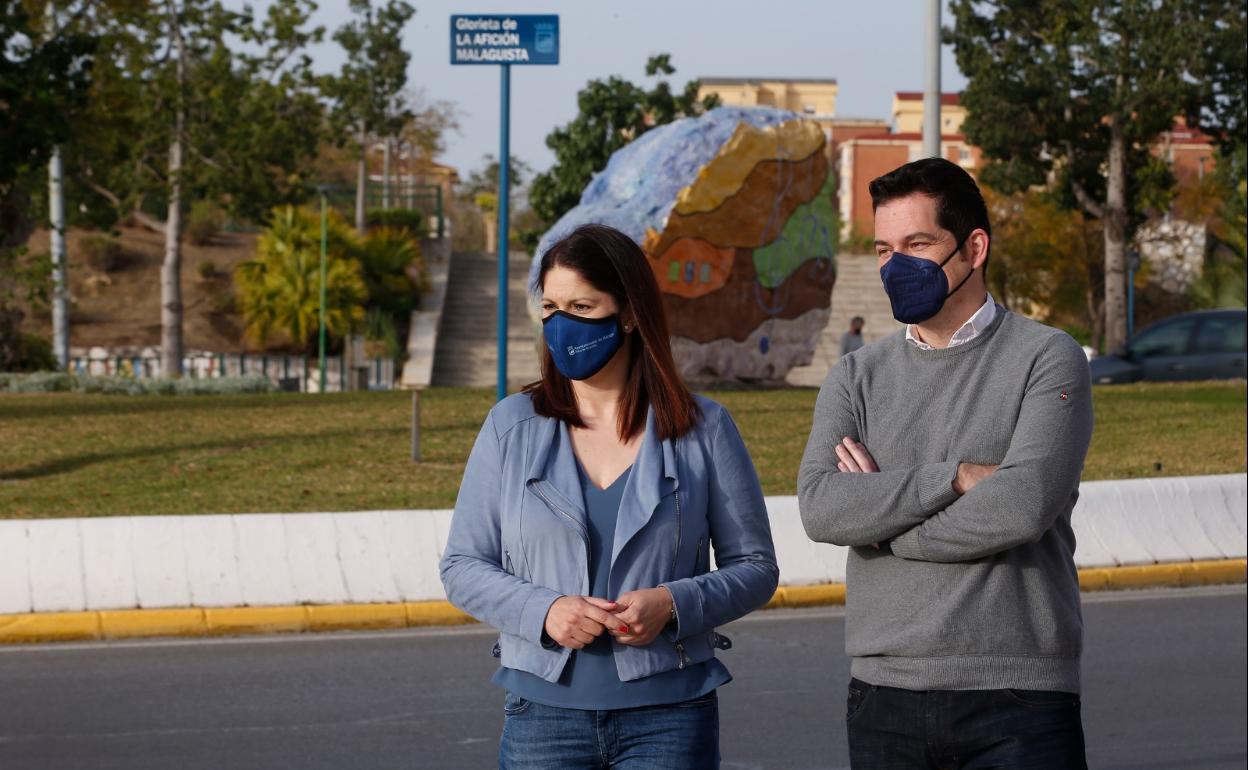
(92, 455)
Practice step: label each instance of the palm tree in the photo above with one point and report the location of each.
(279, 290)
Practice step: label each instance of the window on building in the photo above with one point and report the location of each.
(964, 154)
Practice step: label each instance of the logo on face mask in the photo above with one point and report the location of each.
(578, 345)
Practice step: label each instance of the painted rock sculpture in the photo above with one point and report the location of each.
(734, 212)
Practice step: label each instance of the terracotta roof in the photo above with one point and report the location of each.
(1181, 133)
(917, 96)
(717, 81)
(908, 136)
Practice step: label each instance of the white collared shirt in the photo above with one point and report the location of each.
(973, 327)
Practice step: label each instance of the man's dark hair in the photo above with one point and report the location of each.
(857, 320)
(959, 205)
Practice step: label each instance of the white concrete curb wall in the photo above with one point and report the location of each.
(388, 556)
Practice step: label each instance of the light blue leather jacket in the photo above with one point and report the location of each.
(519, 538)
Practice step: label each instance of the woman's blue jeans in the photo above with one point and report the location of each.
(677, 736)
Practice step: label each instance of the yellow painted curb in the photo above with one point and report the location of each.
(337, 617)
(195, 621)
(808, 596)
(1094, 579)
(436, 614)
(256, 620)
(49, 627)
(1143, 576)
(1203, 573)
(119, 624)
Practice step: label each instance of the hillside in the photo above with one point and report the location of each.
(122, 307)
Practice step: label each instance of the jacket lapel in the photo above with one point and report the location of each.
(653, 477)
(552, 475)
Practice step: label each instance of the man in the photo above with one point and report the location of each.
(852, 339)
(948, 457)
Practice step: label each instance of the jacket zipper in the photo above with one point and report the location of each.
(510, 568)
(679, 533)
(575, 524)
(679, 516)
(680, 646)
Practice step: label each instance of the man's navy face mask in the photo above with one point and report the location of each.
(581, 346)
(917, 288)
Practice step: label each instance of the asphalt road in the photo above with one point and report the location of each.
(1164, 687)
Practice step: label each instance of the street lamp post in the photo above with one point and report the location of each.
(931, 94)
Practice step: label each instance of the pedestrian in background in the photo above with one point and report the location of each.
(584, 526)
(852, 339)
(948, 457)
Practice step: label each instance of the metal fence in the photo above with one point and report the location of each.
(426, 198)
(291, 373)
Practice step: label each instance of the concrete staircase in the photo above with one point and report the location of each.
(466, 353)
(466, 350)
(858, 291)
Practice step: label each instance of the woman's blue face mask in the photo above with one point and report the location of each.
(581, 346)
(917, 288)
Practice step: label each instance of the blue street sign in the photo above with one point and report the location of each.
(503, 39)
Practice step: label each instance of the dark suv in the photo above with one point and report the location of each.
(1206, 345)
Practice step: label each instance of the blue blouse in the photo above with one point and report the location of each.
(590, 680)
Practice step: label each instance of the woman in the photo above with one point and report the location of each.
(583, 527)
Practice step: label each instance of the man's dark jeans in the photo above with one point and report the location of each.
(939, 729)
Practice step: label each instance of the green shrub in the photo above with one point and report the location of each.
(413, 221)
(207, 270)
(52, 382)
(222, 386)
(37, 382)
(279, 290)
(391, 259)
(101, 252)
(25, 352)
(379, 327)
(119, 386)
(204, 220)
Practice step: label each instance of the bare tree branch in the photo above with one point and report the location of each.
(1085, 200)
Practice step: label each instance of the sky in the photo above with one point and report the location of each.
(871, 48)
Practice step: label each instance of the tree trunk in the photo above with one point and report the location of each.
(1116, 240)
(171, 269)
(361, 183)
(491, 233)
(385, 176)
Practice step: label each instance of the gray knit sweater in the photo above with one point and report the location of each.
(964, 593)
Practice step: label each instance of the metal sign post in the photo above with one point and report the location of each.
(321, 314)
(416, 425)
(504, 40)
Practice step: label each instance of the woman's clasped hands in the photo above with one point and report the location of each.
(635, 618)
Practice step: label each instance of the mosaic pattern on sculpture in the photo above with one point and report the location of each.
(734, 212)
